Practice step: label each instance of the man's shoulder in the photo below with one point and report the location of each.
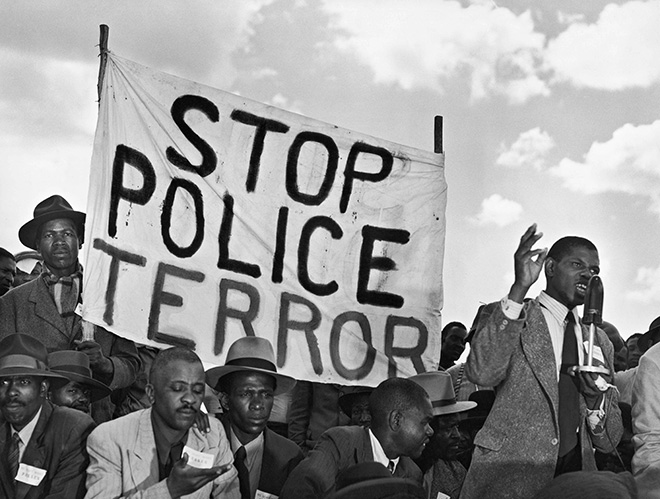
(20, 293)
(120, 428)
(70, 416)
(281, 444)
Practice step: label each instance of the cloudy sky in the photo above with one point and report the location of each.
(551, 111)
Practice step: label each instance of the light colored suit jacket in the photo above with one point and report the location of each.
(646, 424)
(516, 451)
(337, 449)
(124, 461)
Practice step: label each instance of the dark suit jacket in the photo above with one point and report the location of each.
(337, 449)
(280, 457)
(57, 446)
(30, 309)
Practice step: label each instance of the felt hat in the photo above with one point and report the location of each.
(24, 355)
(74, 366)
(371, 480)
(650, 337)
(50, 209)
(440, 388)
(250, 354)
(347, 399)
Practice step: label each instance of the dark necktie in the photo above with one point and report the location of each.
(569, 401)
(12, 455)
(243, 473)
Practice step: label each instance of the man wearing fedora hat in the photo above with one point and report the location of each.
(401, 415)
(42, 447)
(247, 384)
(158, 452)
(443, 473)
(45, 307)
(79, 389)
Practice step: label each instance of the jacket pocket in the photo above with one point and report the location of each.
(490, 438)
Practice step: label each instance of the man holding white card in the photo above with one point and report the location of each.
(247, 384)
(547, 417)
(157, 452)
(42, 447)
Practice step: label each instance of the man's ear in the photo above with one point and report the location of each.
(224, 401)
(550, 267)
(394, 420)
(43, 389)
(149, 390)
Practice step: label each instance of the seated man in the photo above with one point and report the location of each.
(401, 415)
(79, 389)
(443, 472)
(42, 447)
(157, 452)
(263, 458)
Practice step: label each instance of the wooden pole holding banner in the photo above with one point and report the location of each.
(103, 52)
(437, 134)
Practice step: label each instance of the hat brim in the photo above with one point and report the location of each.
(28, 233)
(27, 371)
(99, 390)
(283, 383)
(644, 342)
(454, 408)
(379, 488)
(347, 400)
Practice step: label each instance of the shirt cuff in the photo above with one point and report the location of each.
(595, 417)
(510, 308)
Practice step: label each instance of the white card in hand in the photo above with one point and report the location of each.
(198, 459)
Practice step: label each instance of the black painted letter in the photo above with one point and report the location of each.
(303, 254)
(335, 336)
(292, 168)
(413, 353)
(351, 174)
(166, 218)
(286, 325)
(224, 312)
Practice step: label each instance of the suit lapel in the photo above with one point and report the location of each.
(44, 307)
(35, 451)
(143, 457)
(537, 346)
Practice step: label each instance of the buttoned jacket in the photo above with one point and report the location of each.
(57, 445)
(517, 449)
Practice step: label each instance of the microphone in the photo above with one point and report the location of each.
(593, 302)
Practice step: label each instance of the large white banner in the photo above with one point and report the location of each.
(212, 217)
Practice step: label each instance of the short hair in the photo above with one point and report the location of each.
(6, 254)
(164, 358)
(449, 327)
(564, 245)
(394, 394)
(633, 336)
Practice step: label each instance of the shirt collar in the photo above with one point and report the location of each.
(28, 429)
(379, 452)
(558, 310)
(163, 443)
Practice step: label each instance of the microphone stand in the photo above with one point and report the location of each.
(593, 316)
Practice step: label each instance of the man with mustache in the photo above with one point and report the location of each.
(45, 307)
(401, 415)
(546, 418)
(79, 389)
(157, 452)
(7, 270)
(42, 447)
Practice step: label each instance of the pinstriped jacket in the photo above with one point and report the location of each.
(516, 451)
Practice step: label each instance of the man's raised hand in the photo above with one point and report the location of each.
(528, 263)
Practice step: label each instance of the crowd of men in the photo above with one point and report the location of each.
(85, 413)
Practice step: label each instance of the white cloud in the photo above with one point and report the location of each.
(620, 50)
(648, 279)
(530, 149)
(628, 163)
(422, 44)
(496, 210)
